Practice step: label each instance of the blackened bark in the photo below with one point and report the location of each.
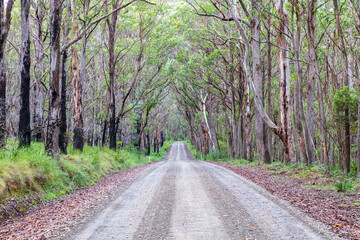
(104, 133)
(24, 121)
(2, 102)
(162, 136)
(112, 128)
(155, 143)
(63, 138)
(63, 124)
(148, 144)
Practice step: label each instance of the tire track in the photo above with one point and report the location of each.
(156, 223)
(238, 223)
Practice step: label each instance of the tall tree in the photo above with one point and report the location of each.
(53, 128)
(77, 86)
(24, 121)
(346, 145)
(5, 21)
(38, 70)
(261, 145)
(64, 55)
(111, 23)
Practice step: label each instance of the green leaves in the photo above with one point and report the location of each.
(346, 98)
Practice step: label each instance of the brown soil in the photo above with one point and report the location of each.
(339, 210)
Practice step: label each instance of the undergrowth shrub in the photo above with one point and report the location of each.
(26, 171)
(344, 185)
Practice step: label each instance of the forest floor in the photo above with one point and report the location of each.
(311, 192)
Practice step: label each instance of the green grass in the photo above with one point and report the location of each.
(219, 156)
(30, 171)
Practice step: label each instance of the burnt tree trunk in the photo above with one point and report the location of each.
(63, 124)
(63, 117)
(24, 120)
(148, 143)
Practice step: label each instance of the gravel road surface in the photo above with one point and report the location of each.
(179, 198)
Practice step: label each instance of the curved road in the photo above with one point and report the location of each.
(184, 199)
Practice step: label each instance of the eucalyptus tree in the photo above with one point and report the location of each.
(52, 138)
(24, 121)
(5, 21)
(39, 70)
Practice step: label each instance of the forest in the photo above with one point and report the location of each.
(266, 81)
(93, 94)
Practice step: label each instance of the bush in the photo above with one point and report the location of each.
(215, 155)
(344, 186)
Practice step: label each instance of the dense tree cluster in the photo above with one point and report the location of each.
(84, 72)
(273, 80)
(261, 80)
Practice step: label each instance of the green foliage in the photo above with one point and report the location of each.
(342, 98)
(344, 185)
(215, 155)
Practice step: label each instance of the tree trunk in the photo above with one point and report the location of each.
(358, 133)
(212, 126)
(2, 101)
(206, 139)
(63, 117)
(52, 139)
(269, 76)
(111, 87)
(4, 30)
(235, 141)
(312, 71)
(24, 120)
(38, 72)
(78, 74)
(284, 134)
(345, 70)
(257, 76)
(148, 144)
(284, 69)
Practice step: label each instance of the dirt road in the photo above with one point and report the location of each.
(184, 199)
